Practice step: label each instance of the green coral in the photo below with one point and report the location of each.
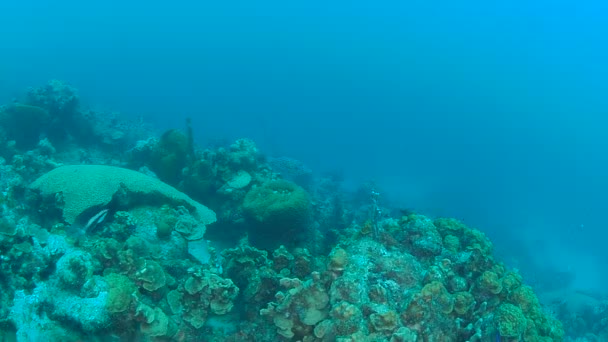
(81, 187)
(277, 205)
(525, 298)
(120, 293)
(300, 307)
(510, 321)
(150, 274)
(204, 294)
(386, 320)
(511, 281)
(463, 302)
(489, 283)
(439, 296)
(471, 239)
(156, 322)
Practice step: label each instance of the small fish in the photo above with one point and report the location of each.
(78, 231)
(95, 220)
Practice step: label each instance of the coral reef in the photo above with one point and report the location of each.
(108, 252)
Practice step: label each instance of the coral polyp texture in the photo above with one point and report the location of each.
(277, 204)
(99, 248)
(78, 188)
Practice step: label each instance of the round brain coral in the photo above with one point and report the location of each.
(277, 205)
(93, 186)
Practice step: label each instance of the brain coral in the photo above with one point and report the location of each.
(277, 205)
(87, 186)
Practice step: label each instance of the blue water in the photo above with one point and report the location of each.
(491, 112)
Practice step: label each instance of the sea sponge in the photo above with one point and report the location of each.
(82, 187)
(276, 206)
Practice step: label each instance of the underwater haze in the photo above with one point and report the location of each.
(492, 112)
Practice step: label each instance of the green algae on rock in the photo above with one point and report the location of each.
(82, 187)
